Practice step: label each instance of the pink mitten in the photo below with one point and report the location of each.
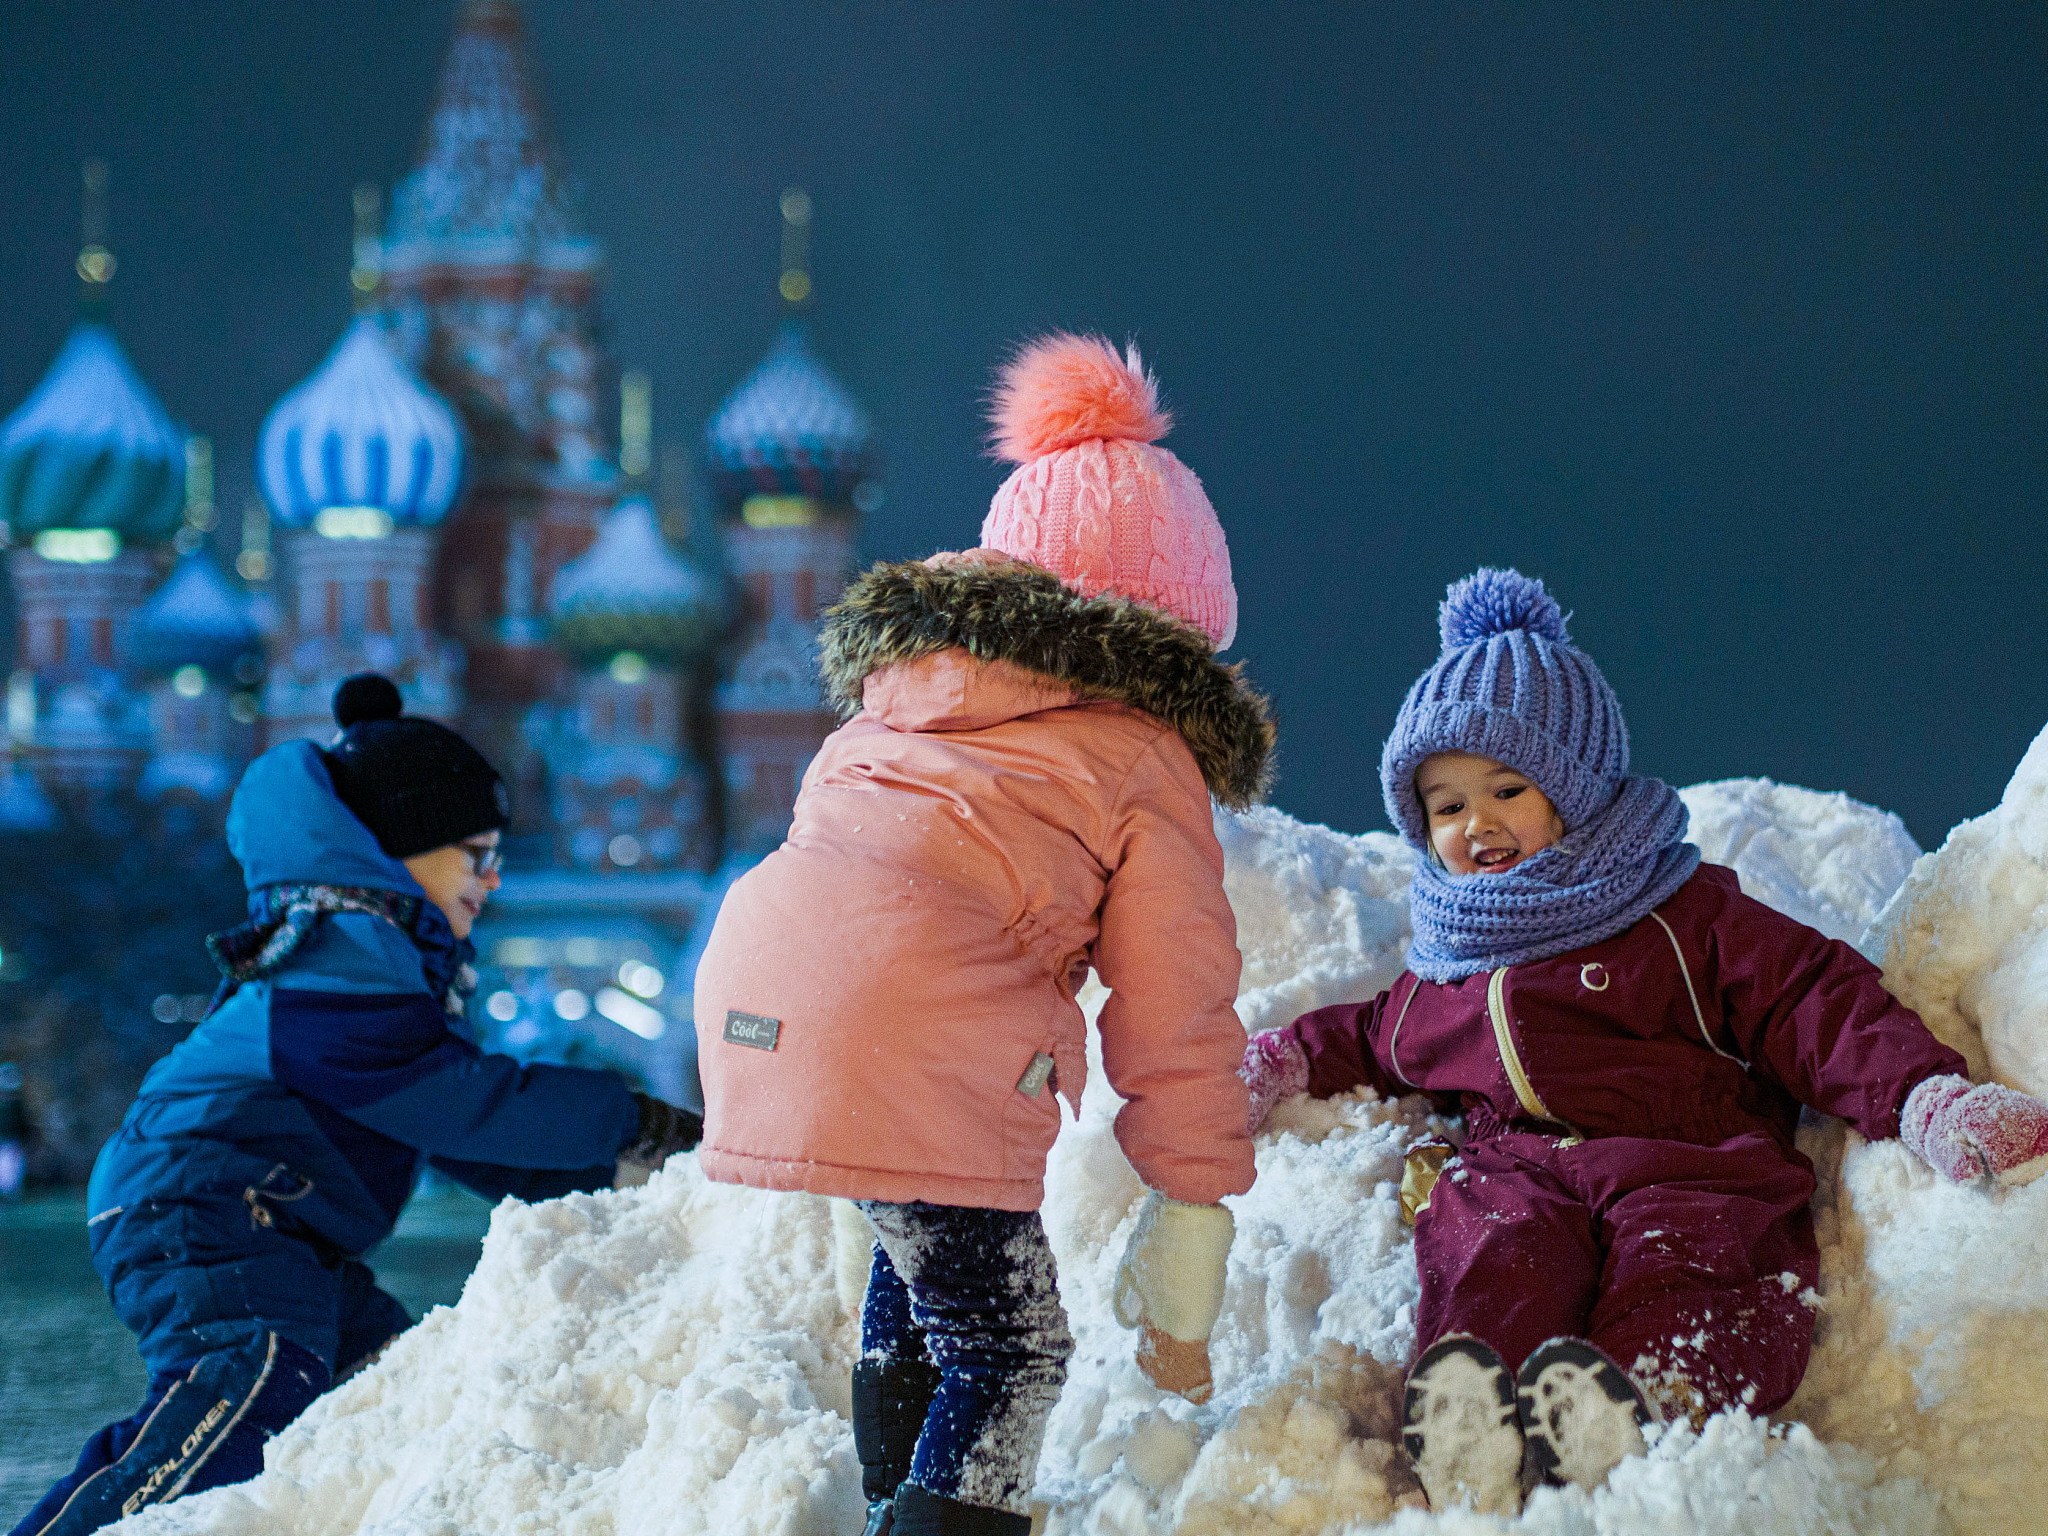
(1275, 1068)
(1969, 1131)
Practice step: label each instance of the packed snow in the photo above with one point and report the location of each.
(673, 1358)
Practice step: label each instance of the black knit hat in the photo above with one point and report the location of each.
(414, 783)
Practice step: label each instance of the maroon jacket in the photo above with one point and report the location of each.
(1712, 1017)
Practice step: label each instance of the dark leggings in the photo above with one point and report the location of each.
(975, 1294)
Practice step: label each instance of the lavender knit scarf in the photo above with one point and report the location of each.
(1600, 880)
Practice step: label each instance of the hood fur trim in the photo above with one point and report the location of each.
(1103, 647)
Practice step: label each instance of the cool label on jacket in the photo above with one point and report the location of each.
(1032, 1083)
(751, 1029)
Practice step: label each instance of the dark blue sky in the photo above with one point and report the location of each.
(1727, 321)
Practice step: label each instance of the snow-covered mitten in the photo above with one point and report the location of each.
(1581, 1413)
(1971, 1131)
(1170, 1283)
(1460, 1428)
(664, 1131)
(1275, 1068)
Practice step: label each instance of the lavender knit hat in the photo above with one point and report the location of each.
(1511, 686)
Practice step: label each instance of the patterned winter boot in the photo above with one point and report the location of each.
(1581, 1413)
(890, 1401)
(1460, 1429)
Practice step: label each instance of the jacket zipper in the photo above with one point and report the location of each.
(1525, 1091)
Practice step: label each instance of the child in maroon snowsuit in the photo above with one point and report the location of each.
(1625, 1232)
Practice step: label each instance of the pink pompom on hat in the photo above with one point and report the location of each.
(1094, 499)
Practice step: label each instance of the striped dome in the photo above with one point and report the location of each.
(790, 429)
(361, 432)
(197, 618)
(92, 448)
(630, 592)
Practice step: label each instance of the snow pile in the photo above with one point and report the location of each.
(1965, 941)
(1933, 1345)
(1827, 860)
(673, 1359)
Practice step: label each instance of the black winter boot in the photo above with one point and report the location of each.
(922, 1513)
(890, 1400)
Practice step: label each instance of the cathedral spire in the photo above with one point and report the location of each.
(95, 261)
(489, 186)
(795, 284)
(366, 265)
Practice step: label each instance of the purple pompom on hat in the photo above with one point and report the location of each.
(1511, 686)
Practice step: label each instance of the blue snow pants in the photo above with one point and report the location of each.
(228, 1309)
(976, 1294)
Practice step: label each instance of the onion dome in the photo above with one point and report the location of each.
(92, 448)
(195, 619)
(361, 432)
(630, 592)
(790, 429)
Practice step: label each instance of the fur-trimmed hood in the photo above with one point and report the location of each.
(1107, 648)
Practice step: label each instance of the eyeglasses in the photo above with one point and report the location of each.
(484, 861)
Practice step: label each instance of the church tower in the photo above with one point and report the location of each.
(488, 284)
(790, 462)
(359, 465)
(92, 483)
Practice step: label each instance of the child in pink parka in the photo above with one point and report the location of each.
(1624, 1235)
(886, 1006)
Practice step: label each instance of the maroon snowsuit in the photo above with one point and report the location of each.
(1629, 1174)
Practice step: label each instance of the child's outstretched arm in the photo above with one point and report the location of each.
(348, 1033)
(1816, 1015)
(1329, 1051)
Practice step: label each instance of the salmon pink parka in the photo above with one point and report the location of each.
(886, 1007)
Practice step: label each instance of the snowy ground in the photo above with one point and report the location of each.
(673, 1359)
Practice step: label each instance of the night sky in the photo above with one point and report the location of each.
(1727, 321)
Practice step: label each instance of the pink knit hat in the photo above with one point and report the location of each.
(1092, 499)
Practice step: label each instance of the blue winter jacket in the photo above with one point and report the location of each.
(313, 1095)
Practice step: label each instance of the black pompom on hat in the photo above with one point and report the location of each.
(413, 782)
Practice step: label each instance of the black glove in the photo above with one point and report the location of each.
(663, 1129)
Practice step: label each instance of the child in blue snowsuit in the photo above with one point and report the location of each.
(282, 1138)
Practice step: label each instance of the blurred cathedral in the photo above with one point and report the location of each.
(443, 500)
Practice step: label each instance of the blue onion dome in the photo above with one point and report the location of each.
(361, 432)
(197, 618)
(92, 448)
(630, 592)
(790, 429)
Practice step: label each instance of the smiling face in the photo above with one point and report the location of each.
(1484, 817)
(459, 878)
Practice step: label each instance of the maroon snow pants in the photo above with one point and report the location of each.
(1677, 1260)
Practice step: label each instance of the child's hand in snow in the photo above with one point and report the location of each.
(1170, 1283)
(1275, 1068)
(1970, 1131)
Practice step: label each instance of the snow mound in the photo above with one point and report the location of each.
(1827, 860)
(673, 1359)
(1965, 940)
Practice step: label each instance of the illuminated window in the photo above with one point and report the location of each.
(779, 511)
(353, 523)
(78, 546)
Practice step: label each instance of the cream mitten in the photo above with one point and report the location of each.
(1172, 1271)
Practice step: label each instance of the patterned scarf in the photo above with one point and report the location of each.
(281, 916)
(1599, 880)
